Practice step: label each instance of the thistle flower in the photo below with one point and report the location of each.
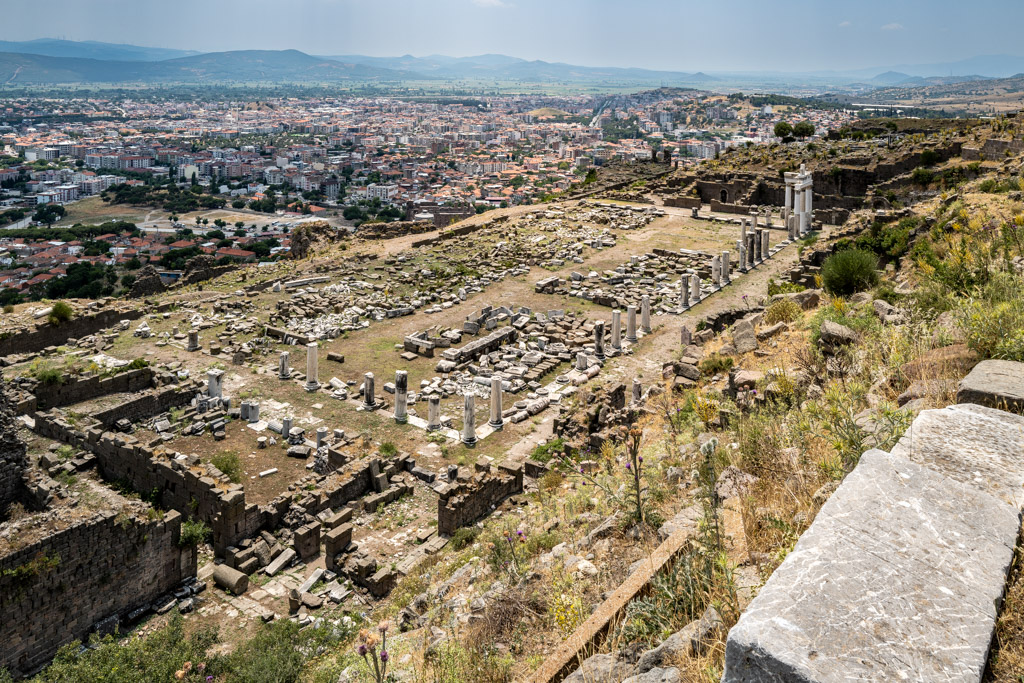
(384, 655)
(361, 650)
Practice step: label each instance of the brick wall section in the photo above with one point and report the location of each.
(107, 566)
(463, 503)
(49, 335)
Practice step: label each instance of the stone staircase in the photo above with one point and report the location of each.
(902, 574)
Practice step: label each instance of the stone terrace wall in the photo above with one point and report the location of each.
(104, 566)
(49, 335)
(462, 503)
(78, 390)
(151, 403)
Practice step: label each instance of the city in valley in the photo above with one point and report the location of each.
(323, 365)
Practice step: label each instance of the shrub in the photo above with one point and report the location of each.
(782, 311)
(922, 177)
(783, 287)
(229, 464)
(50, 376)
(464, 537)
(849, 271)
(9, 308)
(60, 313)
(193, 532)
(714, 365)
(388, 449)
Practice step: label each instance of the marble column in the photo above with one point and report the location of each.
(716, 270)
(741, 249)
(789, 200)
(283, 371)
(193, 340)
(311, 371)
(321, 436)
(433, 413)
(645, 314)
(599, 339)
(401, 396)
(694, 288)
(369, 392)
(765, 244)
(617, 329)
(214, 383)
(637, 390)
(254, 411)
(469, 420)
(286, 427)
(725, 270)
(631, 324)
(496, 420)
(684, 291)
(581, 361)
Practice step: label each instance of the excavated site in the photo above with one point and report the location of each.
(446, 428)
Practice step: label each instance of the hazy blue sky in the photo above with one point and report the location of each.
(793, 35)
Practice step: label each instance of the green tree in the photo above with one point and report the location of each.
(783, 129)
(804, 129)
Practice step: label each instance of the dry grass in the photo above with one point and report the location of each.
(1006, 663)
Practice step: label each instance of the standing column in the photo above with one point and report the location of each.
(286, 427)
(695, 288)
(401, 396)
(684, 292)
(283, 371)
(741, 249)
(311, 360)
(743, 231)
(617, 329)
(645, 314)
(433, 413)
(369, 391)
(321, 436)
(631, 324)
(469, 421)
(789, 201)
(725, 270)
(765, 245)
(716, 270)
(751, 250)
(637, 390)
(496, 419)
(599, 339)
(581, 361)
(753, 219)
(193, 340)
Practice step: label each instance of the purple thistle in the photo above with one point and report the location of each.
(361, 650)
(627, 465)
(384, 655)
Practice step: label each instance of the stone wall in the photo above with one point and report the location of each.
(45, 334)
(55, 590)
(463, 503)
(87, 388)
(12, 456)
(150, 403)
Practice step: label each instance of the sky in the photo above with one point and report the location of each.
(680, 35)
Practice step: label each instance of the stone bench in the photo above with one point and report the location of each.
(901, 575)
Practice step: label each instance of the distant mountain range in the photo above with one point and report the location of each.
(51, 61)
(240, 65)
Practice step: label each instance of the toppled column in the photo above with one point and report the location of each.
(283, 371)
(631, 324)
(645, 313)
(433, 413)
(496, 420)
(401, 396)
(215, 383)
(469, 420)
(599, 339)
(193, 340)
(311, 367)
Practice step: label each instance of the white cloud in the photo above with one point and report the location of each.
(844, 24)
(893, 27)
(490, 3)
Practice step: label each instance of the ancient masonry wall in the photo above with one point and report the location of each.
(153, 402)
(50, 335)
(12, 458)
(463, 503)
(55, 590)
(57, 395)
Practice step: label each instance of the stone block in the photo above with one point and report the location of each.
(307, 540)
(994, 383)
(280, 562)
(898, 578)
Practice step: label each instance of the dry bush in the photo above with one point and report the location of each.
(1006, 663)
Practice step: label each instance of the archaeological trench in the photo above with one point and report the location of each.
(127, 405)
